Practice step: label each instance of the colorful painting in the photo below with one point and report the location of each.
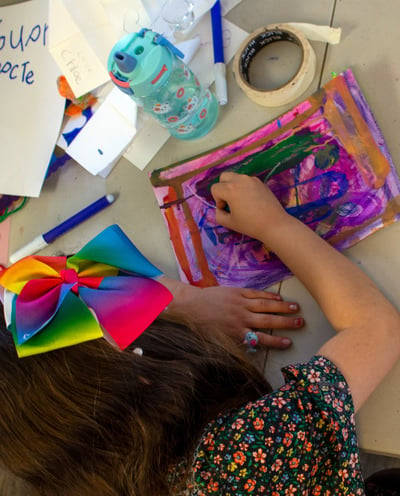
(325, 160)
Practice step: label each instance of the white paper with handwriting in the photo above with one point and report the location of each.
(80, 41)
(29, 98)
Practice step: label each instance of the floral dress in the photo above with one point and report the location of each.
(298, 440)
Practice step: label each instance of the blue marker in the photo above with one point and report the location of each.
(221, 89)
(44, 239)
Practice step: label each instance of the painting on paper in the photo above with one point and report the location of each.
(325, 160)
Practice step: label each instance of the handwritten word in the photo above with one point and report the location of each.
(76, 64)
(17, 71)
(72, 64)
(24, 38)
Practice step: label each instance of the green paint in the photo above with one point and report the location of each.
(283, 156)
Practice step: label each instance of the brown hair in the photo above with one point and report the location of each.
(91, 420)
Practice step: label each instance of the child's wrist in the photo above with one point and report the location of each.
(183, 293)
(271, 231)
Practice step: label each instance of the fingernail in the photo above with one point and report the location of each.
(293, 306)
(298, 322)
(286, 341)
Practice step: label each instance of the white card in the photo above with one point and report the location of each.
(81, 39)
(107, 134)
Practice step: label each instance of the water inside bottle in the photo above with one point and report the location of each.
(182, 105)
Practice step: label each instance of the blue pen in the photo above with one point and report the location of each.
(221, 89)
(44, 239)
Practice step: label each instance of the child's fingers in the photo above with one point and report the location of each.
(256, 293)
(262, 305)
(259, 340)
(220, 203)
(263, 302)
(271, 321)
(222, 190)
(270, 341)
(228, 176)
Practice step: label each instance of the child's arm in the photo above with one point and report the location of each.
(368, 341)
(234, 310)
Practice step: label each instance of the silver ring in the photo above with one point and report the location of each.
(251, 341)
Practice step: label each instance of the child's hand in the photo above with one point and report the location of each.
(252, 207)
(236, 311)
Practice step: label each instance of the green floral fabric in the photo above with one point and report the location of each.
(298, 440)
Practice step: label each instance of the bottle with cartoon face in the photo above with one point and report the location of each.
(149, 69)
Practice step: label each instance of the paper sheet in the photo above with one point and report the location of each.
(80, 41)
(150, 138)
(106, 134)
(203, 62)
(200, 8)
(28, 96)
(126, 16)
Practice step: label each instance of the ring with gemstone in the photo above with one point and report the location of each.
(251, 341)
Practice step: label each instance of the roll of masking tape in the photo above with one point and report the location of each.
(290, 90)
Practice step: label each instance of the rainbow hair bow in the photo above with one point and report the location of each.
(106, 289)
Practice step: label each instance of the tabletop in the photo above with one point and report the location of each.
(368, 46)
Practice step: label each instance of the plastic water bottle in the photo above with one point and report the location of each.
(148, 68)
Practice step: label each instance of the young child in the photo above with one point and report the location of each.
(182, 411)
